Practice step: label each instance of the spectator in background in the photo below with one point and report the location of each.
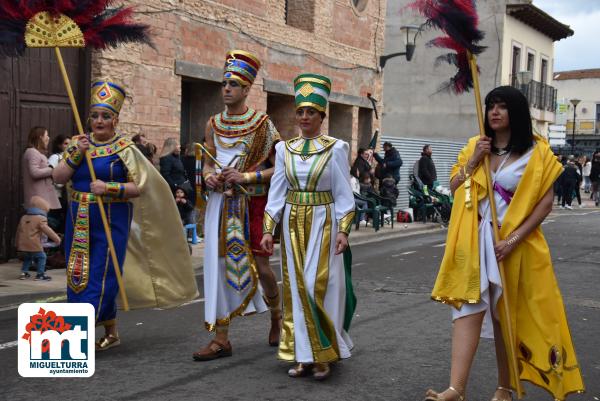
(579, 168)
(189, 165)
(171, 167)
(185, 207)
(58, 216)
(366, 185)
(558, 190)
(29, 237)
(389, 191)
(427, 172)
(569, 181)
(595, 177)
(390, 163)
(586, 170)
(361, 164)
(144, 146)
(37, 173)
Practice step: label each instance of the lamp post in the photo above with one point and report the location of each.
(409, 36)
(574, 102)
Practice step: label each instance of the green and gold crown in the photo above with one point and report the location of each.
(312, 90)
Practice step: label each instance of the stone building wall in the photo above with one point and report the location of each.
(173, 88)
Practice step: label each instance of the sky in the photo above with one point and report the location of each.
(580, 51)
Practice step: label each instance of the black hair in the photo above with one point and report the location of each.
(521, 131)
(361, 151)
(425, 147)
(57, 143)
(388, 144)
(323, 114)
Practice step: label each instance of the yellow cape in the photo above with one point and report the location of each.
(543, 342)
(157, 272)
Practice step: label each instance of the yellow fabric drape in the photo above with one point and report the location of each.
(545, 350)
(157, 272)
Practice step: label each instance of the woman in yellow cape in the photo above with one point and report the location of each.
(524, 170)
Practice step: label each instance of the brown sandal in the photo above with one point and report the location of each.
(208, 353)
(107, 342)
(433, 396)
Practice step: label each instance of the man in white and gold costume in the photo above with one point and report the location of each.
(243, 141)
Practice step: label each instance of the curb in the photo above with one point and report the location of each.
(8, 302)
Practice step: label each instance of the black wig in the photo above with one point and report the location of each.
(521, 131)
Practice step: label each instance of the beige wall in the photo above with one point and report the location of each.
(343, 45)
(529, 40)
(586, 90)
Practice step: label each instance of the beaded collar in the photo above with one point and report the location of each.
(237, 124)
(305, 146)
(112, 147)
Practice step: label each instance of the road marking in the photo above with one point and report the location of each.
(439, 245)
(358, 264)
(395, 256)
(408, 252)
(8, 345)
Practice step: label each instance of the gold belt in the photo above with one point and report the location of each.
(91, 198)
(309, 198)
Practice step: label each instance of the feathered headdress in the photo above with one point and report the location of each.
(66, 23)
(458, 19)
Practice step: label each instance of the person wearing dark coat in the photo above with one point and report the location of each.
(595, 177)
(361, 164)
(171, 167)
(569, 180)
(390, 163)
(427, 172)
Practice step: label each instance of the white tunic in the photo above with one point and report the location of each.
(312, 273)
(220, 299)
(507, 177)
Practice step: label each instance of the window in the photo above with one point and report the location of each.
(516, 64)
(300, 14)
(530, 61)
(544, 71)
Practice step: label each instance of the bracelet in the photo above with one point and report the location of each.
(74, 158)
(468, 201)
(252, 177)
(207, 174)
(115, 190)
(513, 239)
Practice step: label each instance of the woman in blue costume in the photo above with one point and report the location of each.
(122, 175)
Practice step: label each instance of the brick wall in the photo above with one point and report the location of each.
(344, 45)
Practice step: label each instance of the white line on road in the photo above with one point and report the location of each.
(358, 264)
(8, 345)
(408, 252)
(439, 245)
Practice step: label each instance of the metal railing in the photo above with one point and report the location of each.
(540, 95)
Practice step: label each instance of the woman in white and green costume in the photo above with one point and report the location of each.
(310, 195)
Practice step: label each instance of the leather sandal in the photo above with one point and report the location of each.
(107, 342)
(508, 390)
(433, 396)
(321, 371)
(275, 332)
(300, 370)
(209, 353)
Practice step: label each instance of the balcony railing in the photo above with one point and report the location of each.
(540, 95)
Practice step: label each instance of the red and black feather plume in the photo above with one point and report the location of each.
(101, 25)
(459, 21)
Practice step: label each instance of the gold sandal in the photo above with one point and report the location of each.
(108, 342)
(508, 390)
(433, 396)
(321, 371)
(300, 370)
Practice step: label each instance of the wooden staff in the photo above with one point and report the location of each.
(486, 168)
(90, 165)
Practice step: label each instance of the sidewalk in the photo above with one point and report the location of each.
(14, 291)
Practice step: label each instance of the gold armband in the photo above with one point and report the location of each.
(254, 177)
(512, 240)
(74, 157)
(115, 190)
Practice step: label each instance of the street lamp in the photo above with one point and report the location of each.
(409, 36)
(574, 102)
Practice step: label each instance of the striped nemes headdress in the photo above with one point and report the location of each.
(241, 66)
(312, 90)
(107, 95)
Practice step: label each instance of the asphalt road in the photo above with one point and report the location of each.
(402, 339)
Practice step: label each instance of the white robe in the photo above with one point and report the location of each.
(321, 278)
(490, 283)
